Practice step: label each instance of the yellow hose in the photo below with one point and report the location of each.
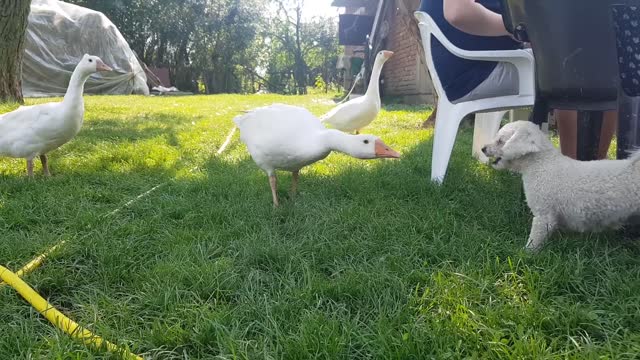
(35, 263)
(57, 318)
(227, 141)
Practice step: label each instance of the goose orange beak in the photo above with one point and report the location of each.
(383, 151)
(100, 66)
(387, 54)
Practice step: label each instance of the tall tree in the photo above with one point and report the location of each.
(289, 31)
(300, 50)
(321, 49)
(13, 24)
(228, 46)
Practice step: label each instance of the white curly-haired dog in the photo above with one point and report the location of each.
(562, 192)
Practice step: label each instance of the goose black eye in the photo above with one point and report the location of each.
(366, 141)
(90, 60)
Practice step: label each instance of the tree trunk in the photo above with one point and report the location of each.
(13, 24)
(208, 81)
(162, 49)
(300, 75)
(300, 71)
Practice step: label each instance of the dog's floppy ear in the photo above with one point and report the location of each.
(525, 140)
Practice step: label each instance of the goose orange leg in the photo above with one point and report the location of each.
(294, 182)
(30, 168)
(45, 164)
(274, 186)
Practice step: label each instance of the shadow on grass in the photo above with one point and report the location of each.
(164, 125)
(371, 260)
(401, 189)
(385, 253)
(107, 164)
(477, 209)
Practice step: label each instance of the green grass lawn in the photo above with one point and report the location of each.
(369, 261)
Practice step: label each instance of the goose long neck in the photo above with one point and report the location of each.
(374, 82)
(336, 140)
(76, 87)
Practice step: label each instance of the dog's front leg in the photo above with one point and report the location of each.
(541, 228)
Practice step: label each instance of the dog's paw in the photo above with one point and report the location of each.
(532, 249)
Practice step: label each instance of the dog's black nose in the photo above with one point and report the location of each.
(484, 150)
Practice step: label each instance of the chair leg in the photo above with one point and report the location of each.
(447, 122)
(485, 129)
(589, 128)
(540, 113)
(628, 124)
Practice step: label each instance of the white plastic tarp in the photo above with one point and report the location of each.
(59, 34)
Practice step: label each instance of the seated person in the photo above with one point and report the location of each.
(478, 25)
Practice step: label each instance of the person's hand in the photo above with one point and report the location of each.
(513, 37)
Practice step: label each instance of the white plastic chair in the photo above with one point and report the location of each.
(491, 110)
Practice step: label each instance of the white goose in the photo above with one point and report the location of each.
(285, 137)
(357, 113)
(35, 130)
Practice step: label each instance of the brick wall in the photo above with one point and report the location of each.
(405, 74)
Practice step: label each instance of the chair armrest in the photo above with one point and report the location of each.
(493, 55)
(523, 60)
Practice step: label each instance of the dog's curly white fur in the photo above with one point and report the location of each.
(565, 193)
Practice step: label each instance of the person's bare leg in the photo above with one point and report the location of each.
(45, 164)
(30, 168)
(274, 186)
(294, 182)
(567, 122)
(609, 125)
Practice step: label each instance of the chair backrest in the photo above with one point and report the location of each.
(572, 41)
(428, 28)
(626, 21)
